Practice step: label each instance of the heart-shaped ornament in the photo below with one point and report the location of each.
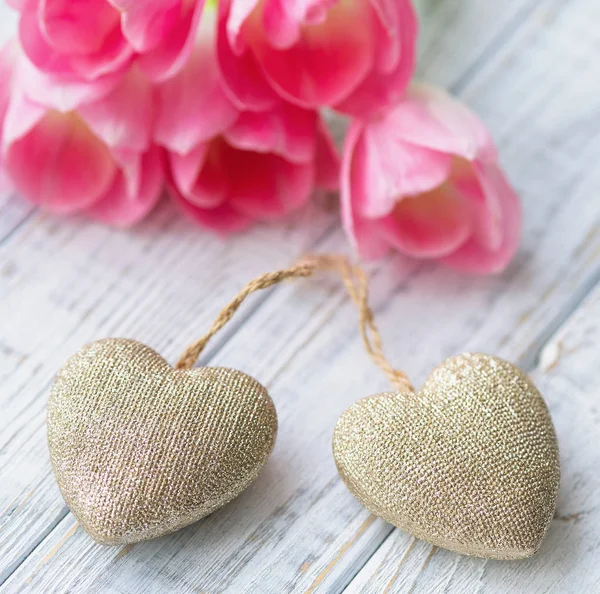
(469, 464)
(140, 449)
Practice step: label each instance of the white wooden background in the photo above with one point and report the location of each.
(531, 68)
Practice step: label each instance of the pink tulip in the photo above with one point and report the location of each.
(424, 179)
(261, 167)
(91, 39)
(228, 166)
(356, 56)
(193, 106)
(98, 159)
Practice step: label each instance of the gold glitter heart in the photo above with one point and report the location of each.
(140, 449)
(469, 464)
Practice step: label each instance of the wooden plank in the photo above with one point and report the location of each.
(568, 375)
(13, 213)
(455, 32)
(297, 520)
(297, 528)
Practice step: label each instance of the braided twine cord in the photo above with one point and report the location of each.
(355, 280)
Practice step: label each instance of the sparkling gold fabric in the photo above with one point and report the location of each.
(140, 449)
(469, 464)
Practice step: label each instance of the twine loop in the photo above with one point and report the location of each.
(355, 280)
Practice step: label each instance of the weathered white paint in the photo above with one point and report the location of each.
(535, 81)
(569, 377)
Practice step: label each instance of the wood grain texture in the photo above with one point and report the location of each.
(68, 283)
(568, 374)
(297, 529)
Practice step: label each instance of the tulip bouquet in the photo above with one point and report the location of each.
(105, 103)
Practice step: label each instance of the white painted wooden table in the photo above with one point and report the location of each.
(531, 69)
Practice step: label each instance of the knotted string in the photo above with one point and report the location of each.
(356, 282)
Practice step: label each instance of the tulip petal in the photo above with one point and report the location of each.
(65, 93)
(281, 29)
(212, 183)
(185, 169)
(395, 62)
(465, 177)
(386, 169)
(285, 130)
(283, 19)
(20, 117)
(362, 233)
(114, 56)
(171, 55)
(79, 27)
(130, 164)
(431, 225)
(431, 118)
(60, 164)
(237, 12)
(123, 119)
(503, 210)
(223, 219)
(390, 16)
(146, 22)
(368, 243)
(328, 61)
(188, 113)
(267, 186)
(244, 81)
(121, 208)
(38, 50)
